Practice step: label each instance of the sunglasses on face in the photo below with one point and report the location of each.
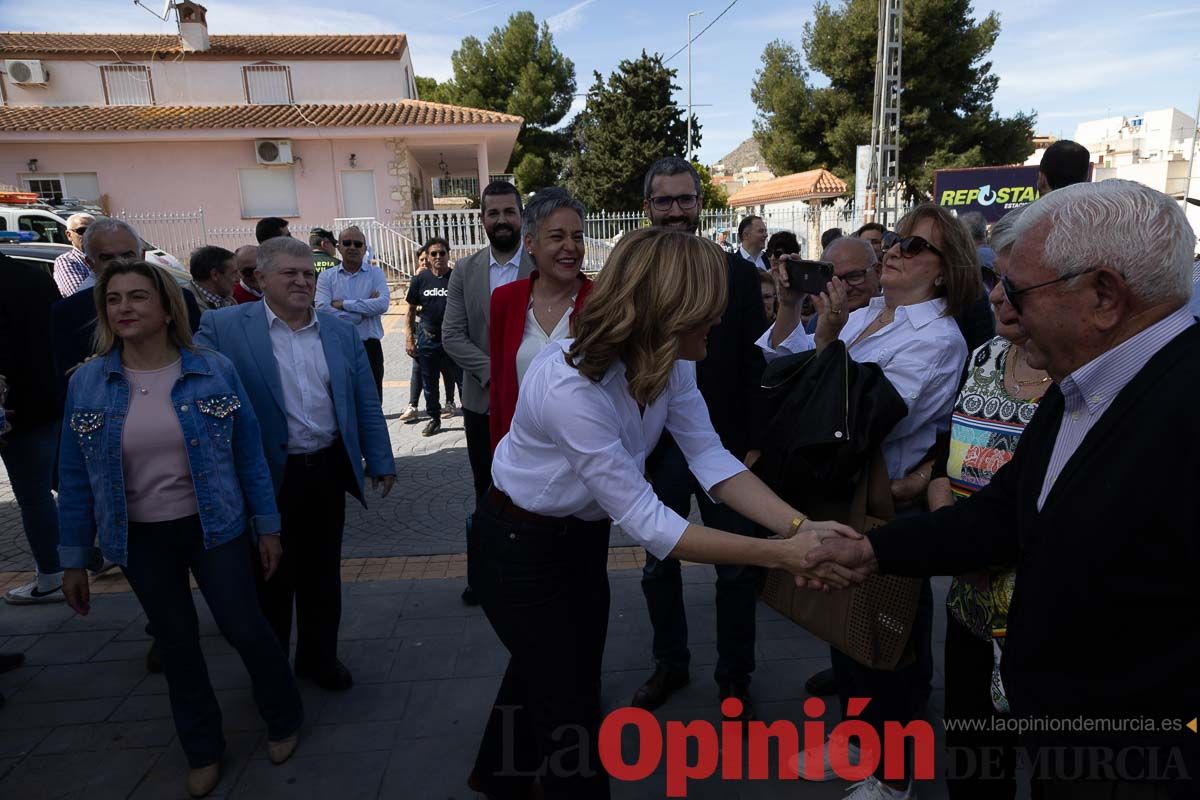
(78, 231)
(352, 243)
(664, 202)
(778, 253)
(436, 254)
(1013, 295)
(910, 246)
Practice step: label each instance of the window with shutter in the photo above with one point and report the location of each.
(127, 85)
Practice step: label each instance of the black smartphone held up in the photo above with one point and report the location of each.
(809, 277)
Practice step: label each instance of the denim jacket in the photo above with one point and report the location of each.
(224, 450)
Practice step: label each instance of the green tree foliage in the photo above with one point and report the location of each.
(947, 118)
(518, 70)
(714, 196)
(629, 122)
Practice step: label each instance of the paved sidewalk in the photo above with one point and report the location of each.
(85, 720)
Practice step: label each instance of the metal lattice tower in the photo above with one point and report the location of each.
(883, 181)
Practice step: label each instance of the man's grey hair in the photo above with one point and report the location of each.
(1004, 230)
(1130, 228)
(274, 249)
(80, 217)
(545, 203)
(976, 225)
(672, 165)
(854, 243)
(106, 225)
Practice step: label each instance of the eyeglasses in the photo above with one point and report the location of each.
(352, 242)
(79, 231)
(1012, 294)
(436, 254)
(664, 202)
(854, 278)
(910, 246)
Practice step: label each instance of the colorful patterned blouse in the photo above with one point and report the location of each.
(986, 425)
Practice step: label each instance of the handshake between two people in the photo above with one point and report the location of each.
(828, 555)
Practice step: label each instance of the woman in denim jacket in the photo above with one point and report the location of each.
(161, 457)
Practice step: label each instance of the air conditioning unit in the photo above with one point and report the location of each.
(26, 72)
(273, 151)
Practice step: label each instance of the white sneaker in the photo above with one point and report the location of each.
(42, 589)
(409, 414)
(821, 753)
(873, 789)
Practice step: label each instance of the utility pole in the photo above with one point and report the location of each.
(689, 110)
(883, 181)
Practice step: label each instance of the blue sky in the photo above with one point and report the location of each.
(1068, 65)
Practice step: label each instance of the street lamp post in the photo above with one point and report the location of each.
(689, 108)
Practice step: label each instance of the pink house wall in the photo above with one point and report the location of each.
(186, 175)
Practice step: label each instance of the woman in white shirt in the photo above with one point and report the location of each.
(930, 274)
(528, 314)
(588, 413)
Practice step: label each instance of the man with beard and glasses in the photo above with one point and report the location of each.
(465, 325)
(730, 382)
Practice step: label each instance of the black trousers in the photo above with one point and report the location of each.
(980, 765)
(160, 556)
(737, 584)
(312, 503)
(896, 695)
(374, 350)
(478, 428)
(544, 588)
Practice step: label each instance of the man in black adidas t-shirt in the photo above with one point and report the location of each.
(427, 291)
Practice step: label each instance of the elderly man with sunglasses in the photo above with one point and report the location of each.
(357, 292)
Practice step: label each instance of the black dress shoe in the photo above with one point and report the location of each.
(11, 661)
(154, 658)
(469, 598)
(662, 684)
(742, 692)
(333, 677)
(822, 684)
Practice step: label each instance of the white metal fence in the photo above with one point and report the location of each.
(394, 245)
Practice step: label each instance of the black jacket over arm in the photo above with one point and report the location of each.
(27, 293)
(730, 377)
(1103, 622)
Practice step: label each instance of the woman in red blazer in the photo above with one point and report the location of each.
(528, 314)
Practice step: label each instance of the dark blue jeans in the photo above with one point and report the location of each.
(737, 585)
(30, 457)
(434, 362)
(160, 556)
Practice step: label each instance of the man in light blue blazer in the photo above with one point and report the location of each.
(313, 391)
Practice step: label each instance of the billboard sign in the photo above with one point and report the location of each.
(992, 191)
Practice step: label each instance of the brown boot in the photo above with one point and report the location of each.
(202, 780)
(282, 750)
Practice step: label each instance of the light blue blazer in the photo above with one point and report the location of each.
(240, 334)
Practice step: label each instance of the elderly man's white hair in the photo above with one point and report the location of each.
(272, 250)
(851, 242)
(106, 225)
(1142, 234)
(80, 217)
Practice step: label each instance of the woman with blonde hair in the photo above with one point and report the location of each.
(161, 456)
(589, 411)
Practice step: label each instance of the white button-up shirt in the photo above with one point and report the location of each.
(500, 274)
(354, 289)
(304, 375)
(759, 262)
(921, 353)
(578, 448)
(535, 339)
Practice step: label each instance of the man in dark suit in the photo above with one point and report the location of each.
(73, 319)
(1097, 508)
(729, 379)
(307, 375)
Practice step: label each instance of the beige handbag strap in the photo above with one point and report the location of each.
(872, 494)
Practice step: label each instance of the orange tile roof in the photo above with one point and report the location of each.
(42, 45)
(168, 118)
(810, 185)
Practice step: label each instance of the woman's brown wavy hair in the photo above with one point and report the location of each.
(656, 285)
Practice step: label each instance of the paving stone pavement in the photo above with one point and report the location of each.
(84, 720)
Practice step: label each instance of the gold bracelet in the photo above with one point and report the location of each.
(796, 523)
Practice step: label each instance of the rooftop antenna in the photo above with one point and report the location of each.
(166, 12)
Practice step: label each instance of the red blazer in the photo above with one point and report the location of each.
(506, 328)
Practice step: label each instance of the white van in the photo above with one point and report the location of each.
(46, 226)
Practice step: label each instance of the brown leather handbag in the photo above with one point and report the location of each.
(870, 623)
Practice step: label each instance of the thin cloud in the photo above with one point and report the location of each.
(1178, 12)
(472, 11)
(569, 19)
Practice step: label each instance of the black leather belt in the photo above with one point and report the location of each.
(317, 458)
(503, 506)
